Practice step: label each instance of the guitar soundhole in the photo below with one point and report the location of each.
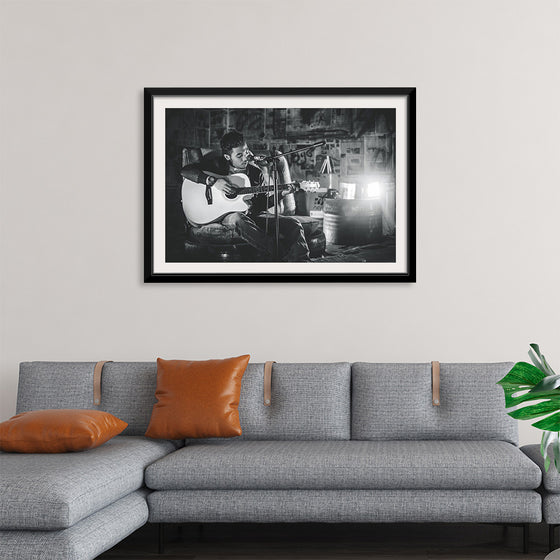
(231, 196)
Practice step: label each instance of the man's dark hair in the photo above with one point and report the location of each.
(231, 140)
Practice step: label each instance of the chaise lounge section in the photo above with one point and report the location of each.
(77, 505)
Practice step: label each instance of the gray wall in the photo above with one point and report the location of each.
(71, 169)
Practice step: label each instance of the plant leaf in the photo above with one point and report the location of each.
(549, 369)
(534, 351)
(535, 348)
(556, 451)
(550, 423)
(547, 437)
(540, 362)
(551, 444)
(547, 384)
(535, 410)
(512, 400)
(527, 382)
(522, 375)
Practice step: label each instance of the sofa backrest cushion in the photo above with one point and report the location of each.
(309, 401)
(394, 402)
(127, 389)
(45, 385)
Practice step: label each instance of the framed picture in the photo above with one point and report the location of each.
(280, 184)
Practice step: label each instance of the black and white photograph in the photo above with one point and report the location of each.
(265, 184)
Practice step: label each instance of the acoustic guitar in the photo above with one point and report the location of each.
(199, 212)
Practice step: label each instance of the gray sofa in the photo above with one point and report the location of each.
(340, 442)
(550, 491)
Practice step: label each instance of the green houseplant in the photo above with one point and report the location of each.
(526, 383)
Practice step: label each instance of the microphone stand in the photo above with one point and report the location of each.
(273, 159)
(276, 205)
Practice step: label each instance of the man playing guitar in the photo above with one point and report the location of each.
(250, 225)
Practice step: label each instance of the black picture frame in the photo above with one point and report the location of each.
(158, 144)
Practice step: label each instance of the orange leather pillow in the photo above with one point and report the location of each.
(197, 399)
(58, 431)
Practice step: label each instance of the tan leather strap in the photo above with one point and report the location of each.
(435, 383)
(97, 381)
(268, 383)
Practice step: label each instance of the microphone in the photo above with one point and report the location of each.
(256, 159)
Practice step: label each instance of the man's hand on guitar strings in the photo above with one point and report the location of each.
(226, 186)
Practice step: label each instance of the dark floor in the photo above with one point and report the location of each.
(330, 542)
(379, 252)
(382, 251)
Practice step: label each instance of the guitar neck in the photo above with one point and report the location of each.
(265, 188)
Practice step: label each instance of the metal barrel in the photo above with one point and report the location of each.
(352, 222)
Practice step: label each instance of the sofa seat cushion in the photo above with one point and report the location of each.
(284, 465)
(85, 540)
(550, 478)
(54, 491)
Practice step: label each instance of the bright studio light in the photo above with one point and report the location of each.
(374, 190)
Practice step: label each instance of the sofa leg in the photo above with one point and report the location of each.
(525, 538)
(161, 538)
(551, 544)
